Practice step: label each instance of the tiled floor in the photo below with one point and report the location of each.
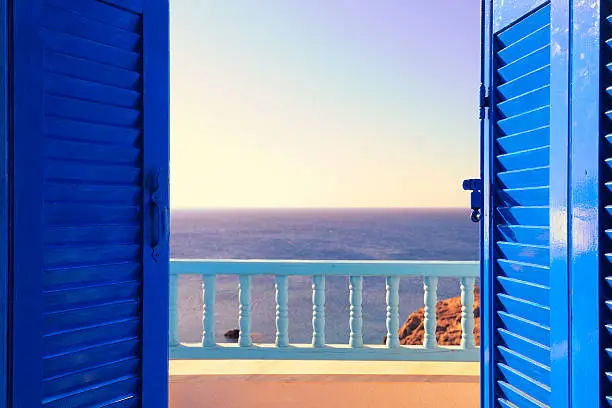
(322, 384)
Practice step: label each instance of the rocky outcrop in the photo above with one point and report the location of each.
(448, 332)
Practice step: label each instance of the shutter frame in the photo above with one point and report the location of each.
(27, 206)
(559, 203)
(156, 101)
(4, 159)
(584, 206)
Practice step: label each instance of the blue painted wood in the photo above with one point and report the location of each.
(506, 12)
(525, 272)
(244, 313)
(487, 224)
(516, 151)
(537, 156)
(282, 311)
(392, 322)
(524, 233)
(329, 352)
(26, 342)
(4, 204)
(68, 22)
(208, 310)
(156, 158)
(173, 338)
(514, 71)
(90, 130)
(533, 83)
(529, 177)
(561, 226)
(58, 42)
(590, 239)
(430, 323)
(70, 67)
(528, 291)
(324, 268)
(533, 216)
(137, 6)
(604, 363)
(318, 311)
(590, 180)
(355, 311)
(467, 312)
(100, 11)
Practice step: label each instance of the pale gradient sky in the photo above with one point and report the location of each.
(323, 103)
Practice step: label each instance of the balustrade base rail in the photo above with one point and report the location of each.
(189, 351)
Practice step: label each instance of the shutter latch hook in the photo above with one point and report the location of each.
(475, 186)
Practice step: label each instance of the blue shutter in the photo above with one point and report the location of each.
(605, 218)
(4, 288)
(517, 269)
(89, 252)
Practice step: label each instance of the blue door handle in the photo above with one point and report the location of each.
(475, 186)
(160, 227)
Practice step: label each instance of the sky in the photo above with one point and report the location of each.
(323, 103)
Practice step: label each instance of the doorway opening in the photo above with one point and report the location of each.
(322, 132)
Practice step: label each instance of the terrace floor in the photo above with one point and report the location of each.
(323, 384)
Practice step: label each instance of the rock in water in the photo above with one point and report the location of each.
(232, 334)
(448, 332)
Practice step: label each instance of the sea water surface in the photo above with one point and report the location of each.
(332, 234)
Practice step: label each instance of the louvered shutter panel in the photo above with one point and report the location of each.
(90, 148)
(519, 160)
(605, 156)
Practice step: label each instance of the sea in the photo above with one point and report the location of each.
(318, 234)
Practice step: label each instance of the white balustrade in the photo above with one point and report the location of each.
(467, 312)
(244, 314)
(318, 311)
(282, 311)
(465, 272)
(208, 310)
(392, 289)
(430, 290)
(355, 314)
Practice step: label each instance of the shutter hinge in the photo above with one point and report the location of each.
(484, 102)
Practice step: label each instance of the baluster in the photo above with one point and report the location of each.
(208, 310)
(244, 314)
(392, 288)
(356, 319)
(467, 312)
(318, 311)
(430, 286)
(173, 329)
(282, 311)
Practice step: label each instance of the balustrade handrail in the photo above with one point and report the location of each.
(393, 271)
(456, 269)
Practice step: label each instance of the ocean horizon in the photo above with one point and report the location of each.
(315, 234)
